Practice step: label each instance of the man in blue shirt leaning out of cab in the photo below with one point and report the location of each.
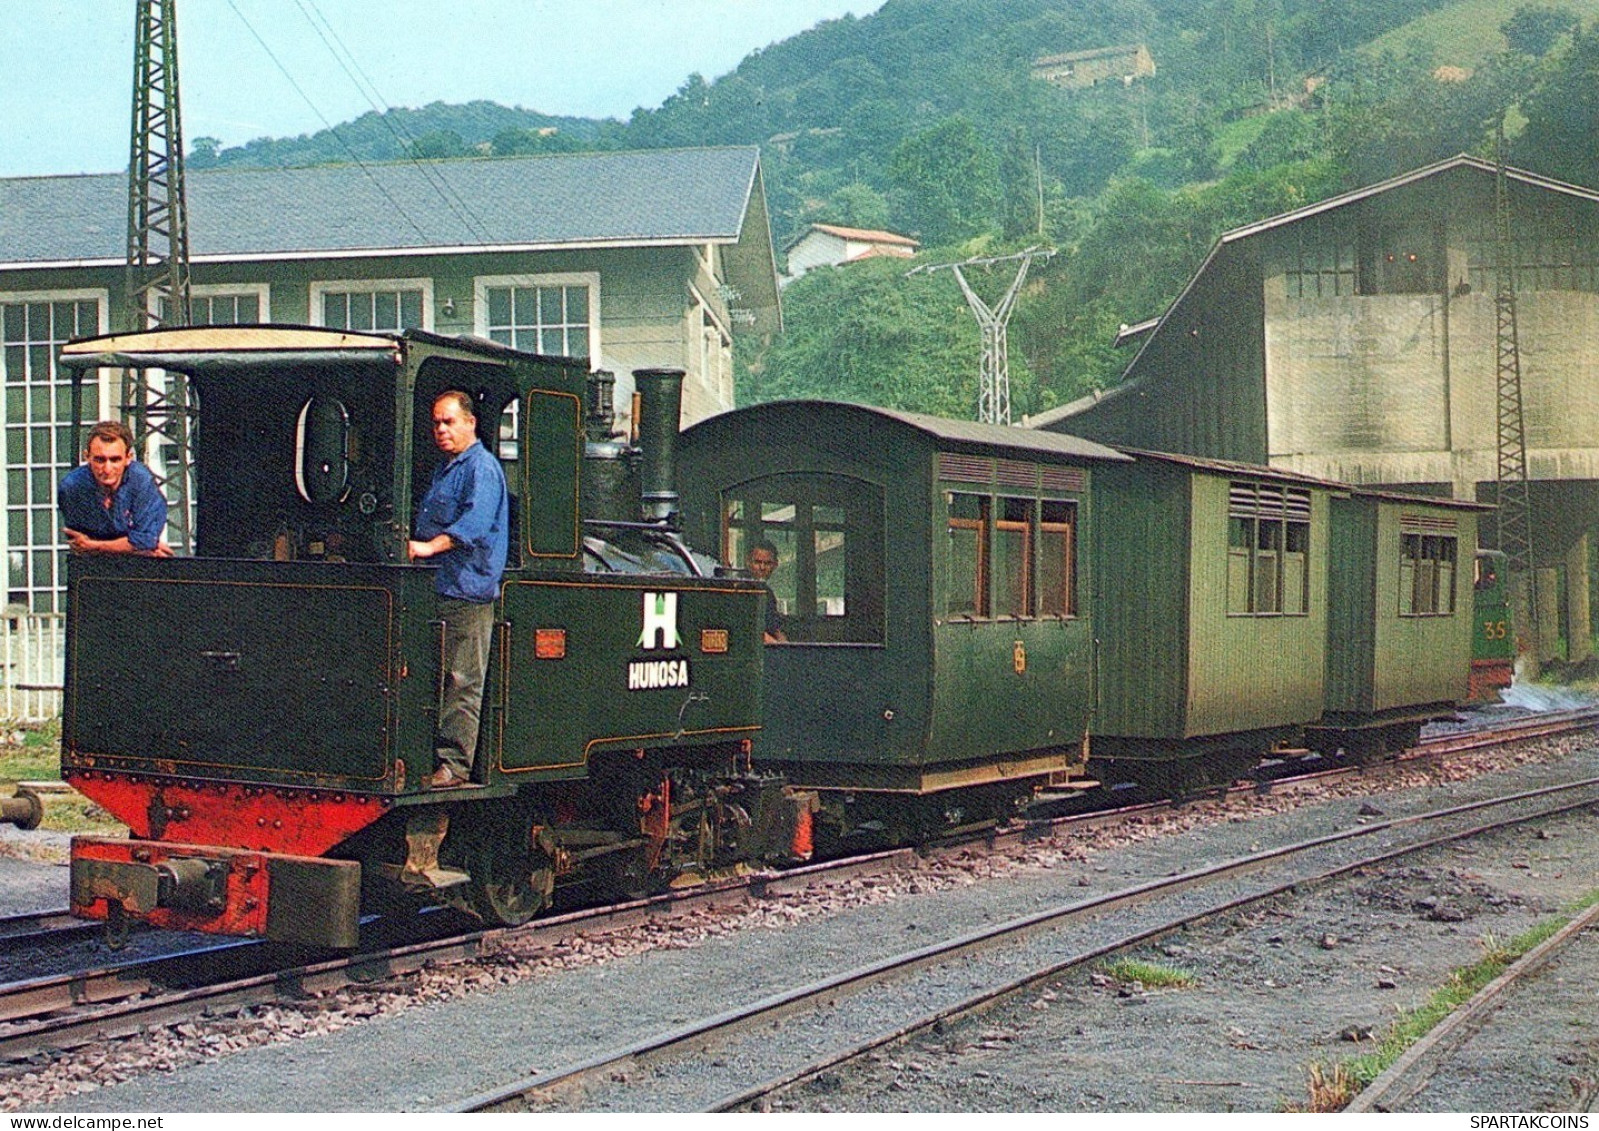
(464, 522)
(110, 503)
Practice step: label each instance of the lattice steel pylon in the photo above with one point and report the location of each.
(993, 386)
(1514, 494)
(156, 404)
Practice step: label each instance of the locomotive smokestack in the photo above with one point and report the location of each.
(660, 410)
(601, 417)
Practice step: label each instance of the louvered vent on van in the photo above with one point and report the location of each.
(1059, 479)
(1014, 473)
(1427, 524)
(965, 469)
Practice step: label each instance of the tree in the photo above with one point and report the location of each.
(438, 144)
(867, 333)
(1535, 28)
(1562, 115)
(860, 206)
(203, 152)
(946, 183)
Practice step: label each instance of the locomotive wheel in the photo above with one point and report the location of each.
(512, 879)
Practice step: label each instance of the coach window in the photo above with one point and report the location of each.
(1268, 551)
(828, 534)
(1427, 575)
(1013, 555)
(966, 564)
(1057, 558)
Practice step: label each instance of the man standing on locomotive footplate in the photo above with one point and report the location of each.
(464, 522)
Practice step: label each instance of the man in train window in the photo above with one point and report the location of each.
(761, 561)
(463, 522)
(110, 503)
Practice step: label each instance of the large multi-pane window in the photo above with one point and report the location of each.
(1268, 550)
(1427, 574)
(220, 306)
(390, 305)
(1010, 556)
(1543, 262)
(1323, 263)
(209, 305)
(826, 531)
(552, 315)
(38, 434)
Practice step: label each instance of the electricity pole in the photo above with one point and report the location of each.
(1514, 494)
(156, 403)
(993, 386)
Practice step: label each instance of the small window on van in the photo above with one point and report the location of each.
(966, 564)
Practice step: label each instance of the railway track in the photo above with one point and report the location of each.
(66, 1010)
(678, 1069)
(41, 926)
(1411, 1072)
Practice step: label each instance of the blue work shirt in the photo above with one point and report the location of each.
(138, 510)
(467, 500)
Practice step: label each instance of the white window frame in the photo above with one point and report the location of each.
(262, 292)
(101, 390)
(323, 287)
(481, 285)
(714, 361)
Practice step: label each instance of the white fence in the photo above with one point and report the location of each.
(32, 666)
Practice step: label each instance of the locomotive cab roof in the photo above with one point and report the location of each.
(326, 433)
(193, 349)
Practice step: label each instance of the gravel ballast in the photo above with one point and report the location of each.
(1273, 993)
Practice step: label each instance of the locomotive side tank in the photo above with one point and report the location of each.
(1399, 624)
(261, 714)
(932, 660)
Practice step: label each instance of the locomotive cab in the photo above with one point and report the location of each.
(261, 713)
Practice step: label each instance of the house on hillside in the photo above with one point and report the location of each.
(1078, 69)
(828, 245)
(1357, 339)
(629, 260)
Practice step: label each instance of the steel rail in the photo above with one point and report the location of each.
(32, 926)
(1420, 1062)
(48, 1013)
(45, 1013)
(514, 1097)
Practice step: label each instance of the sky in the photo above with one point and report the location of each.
(271, 68)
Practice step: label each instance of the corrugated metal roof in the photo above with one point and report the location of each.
(870, 234)
(671, 196)
(1090, 53)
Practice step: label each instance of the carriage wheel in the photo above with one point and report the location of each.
(512, 878)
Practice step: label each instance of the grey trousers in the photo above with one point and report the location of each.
(468, 631)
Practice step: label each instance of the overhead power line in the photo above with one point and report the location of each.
(431, 172)
(993, 386)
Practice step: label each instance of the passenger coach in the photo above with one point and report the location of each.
(1399, 630)
(932, 597)
(1212, 606)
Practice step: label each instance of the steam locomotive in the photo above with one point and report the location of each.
(967, 615)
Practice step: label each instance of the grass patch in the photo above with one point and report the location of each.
(1330, 1088)
(1233, 138)
(1466, 33)
(1151, 975)
(36, 758)
(33, 753)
